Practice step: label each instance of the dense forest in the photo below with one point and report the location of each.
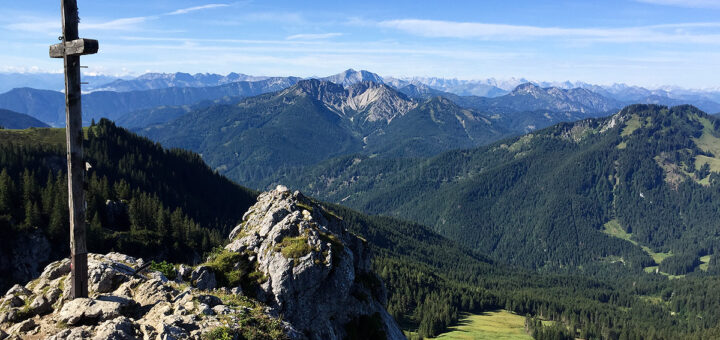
(141, 199)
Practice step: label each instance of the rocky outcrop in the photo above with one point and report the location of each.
(124, 304)
(316, 274)
(310, 279)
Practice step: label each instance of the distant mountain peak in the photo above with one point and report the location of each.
(350, 77)
(370, 100)
(526, 88)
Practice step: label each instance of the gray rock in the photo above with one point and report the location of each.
(53, 295)
(3, 335)
(157, 276)
(84, 310)
(170, 332)
(236, 246)
(184, 271)
(12, 315)
(204, 278)
(78, 333)
(17, 290)
(56, 269)
(23, 327)
(236, 291)
(121, 328)
(105, 276)
(210, 300)
(205, 309)
(15, 301)
(40, 305)
(222, 310)
(152, 292)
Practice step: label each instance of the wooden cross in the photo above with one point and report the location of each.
(71, 48)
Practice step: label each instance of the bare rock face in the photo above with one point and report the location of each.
(317, 274)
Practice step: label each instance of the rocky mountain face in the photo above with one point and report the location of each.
(318, 274)
(530, 97)
(350, 77)
(362, 102)
(310, 279)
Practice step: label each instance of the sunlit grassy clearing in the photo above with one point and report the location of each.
(705, 262)
(614, 229)
(501, 325)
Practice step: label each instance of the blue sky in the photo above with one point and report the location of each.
(640, 42)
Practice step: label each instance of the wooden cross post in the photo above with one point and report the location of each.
(71, 48)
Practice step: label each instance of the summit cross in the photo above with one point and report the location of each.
(70, 50)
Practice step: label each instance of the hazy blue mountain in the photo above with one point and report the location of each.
(49, 106)
(152, 81)
(484, 88)
(14, 120)
(46, 81)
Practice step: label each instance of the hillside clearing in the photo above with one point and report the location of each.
(501, 325)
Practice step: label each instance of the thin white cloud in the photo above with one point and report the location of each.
(196, 8)
(666, 33)
(123, 24)
(311, 36)
(685, 3)
(36, 25)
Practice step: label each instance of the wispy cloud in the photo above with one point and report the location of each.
(36, 25)
(311, 36)
(123, 24)
(685, 3)
(196, 8)
(667, 33)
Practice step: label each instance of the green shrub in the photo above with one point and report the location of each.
(294, 247)
(167, 269)
(220, 333)
(224, 266)
(234, 269)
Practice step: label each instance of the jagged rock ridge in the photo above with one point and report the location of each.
(364, 101)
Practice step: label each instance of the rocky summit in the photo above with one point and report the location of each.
(290, 271)
(126, 303)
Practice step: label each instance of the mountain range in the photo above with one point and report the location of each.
(706, 100)
(49, 106)
(315, 120)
